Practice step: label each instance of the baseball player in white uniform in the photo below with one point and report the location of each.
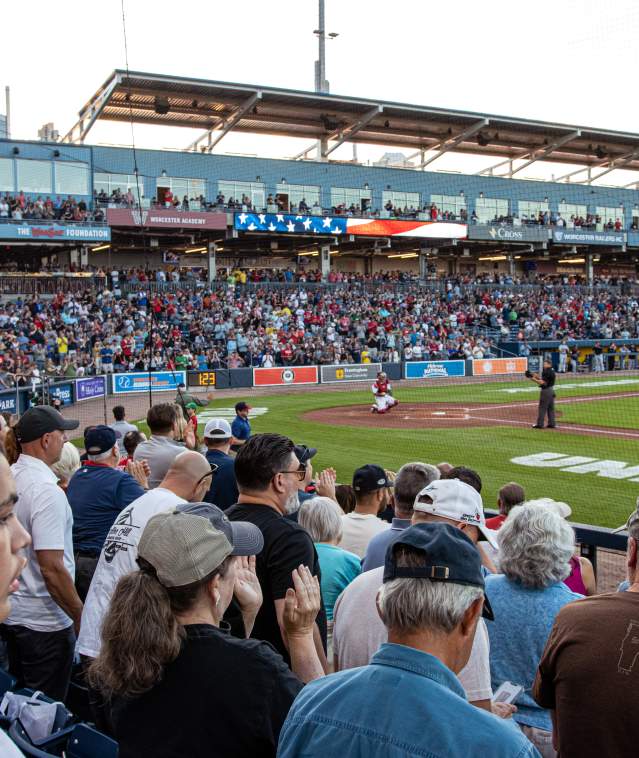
(382, 392)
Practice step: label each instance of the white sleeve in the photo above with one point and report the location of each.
(374, 389)
(48, 522)
(475, 676)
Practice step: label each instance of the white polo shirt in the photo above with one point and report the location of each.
(117, 558)
(43, 510)
(358, 529)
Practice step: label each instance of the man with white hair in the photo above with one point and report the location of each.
(383, 393)
(588, 676)
(430, 602)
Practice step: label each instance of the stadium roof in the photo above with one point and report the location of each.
(221, 107)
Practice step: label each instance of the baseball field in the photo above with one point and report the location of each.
(591, 461)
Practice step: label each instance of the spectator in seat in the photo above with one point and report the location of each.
(121, 425)
(536, 545)
(410, 480)
(97, 492)
(131, 440)
(68, 464)
(589, 671)
(46, 610)
(509, 496)
(217, 438)
(268, 474)
(228, 695)
(345, 497)
(408, 699)
(362, 524)
(14, 539)
(161, 448)
(187, 479)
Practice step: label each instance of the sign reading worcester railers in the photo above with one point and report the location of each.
(164, 218)
(359, 372)
(270, 377)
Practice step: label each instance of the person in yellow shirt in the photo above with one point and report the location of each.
(366, 356)
(63, 346)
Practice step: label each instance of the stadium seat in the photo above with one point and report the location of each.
(86, 742)
(52, 745)
(7, 683)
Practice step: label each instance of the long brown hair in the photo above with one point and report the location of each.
(140, 633)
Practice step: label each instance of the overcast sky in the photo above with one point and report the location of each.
(572, 61)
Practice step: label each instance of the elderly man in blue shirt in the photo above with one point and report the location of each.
(408, 701)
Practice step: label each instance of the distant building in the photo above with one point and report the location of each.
(3, 127)
(48, 133)
(394, 160)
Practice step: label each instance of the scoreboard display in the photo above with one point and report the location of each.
(201, 378)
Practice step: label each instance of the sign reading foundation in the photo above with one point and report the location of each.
(358, 372)
(271, 377)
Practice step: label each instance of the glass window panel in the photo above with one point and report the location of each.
(608, 213)
(71, 178)
(122, 182)
(34, 176)
(7, 175)
(233, 189)
(571, 211)
(308, 192)
(401, 200)
(489, 208)
(347, 196)
(531, 208)
(450, 203)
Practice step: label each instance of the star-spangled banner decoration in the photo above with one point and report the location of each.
(288, 223)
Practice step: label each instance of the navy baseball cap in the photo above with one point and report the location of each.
(370, 478)
(246, 538)
(304, 454)
(450, 556)
(98, 439)
(40, 420)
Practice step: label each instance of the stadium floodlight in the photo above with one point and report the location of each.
(100, 247)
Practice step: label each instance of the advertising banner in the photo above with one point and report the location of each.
(434, 369)
(201, 379)
(499, 233)
(161, 381)
(495, 366)
(62, 391)
(161, 217)
(270, 377)
(55, 232)
(358, 372)
(288, 223)
(90, 387)
(389, 227)
(8, 402)
(584, 237)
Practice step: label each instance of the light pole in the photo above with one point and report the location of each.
(321, 85)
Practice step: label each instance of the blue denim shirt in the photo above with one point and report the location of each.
(405, 703)
(241, 428)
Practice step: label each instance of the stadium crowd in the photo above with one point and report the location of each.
(21, 207)
(95, 331)
(382, 616)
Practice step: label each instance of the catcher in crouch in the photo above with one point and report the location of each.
(383, 393)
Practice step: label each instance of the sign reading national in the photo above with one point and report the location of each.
(434, 369)
(157, 381)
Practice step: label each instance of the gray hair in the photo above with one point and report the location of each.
(97, 457)
(68, 464)
(535, 546)
(322, 519)
(409, 605)
(411, 479)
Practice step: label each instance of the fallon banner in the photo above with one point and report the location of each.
(161, 381)
(164, 218)
(271, 377)
(584, 237)
(434, 369)
(90, 387)
(495, 366)
(55, 232)
(352, 372)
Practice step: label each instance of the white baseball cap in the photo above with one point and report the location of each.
(218, 429)
(455, 500)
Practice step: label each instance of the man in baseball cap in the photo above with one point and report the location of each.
(304, 455)
(451, 500)
(241, 426)
(362, 524)
(218, 438)
(41, 420)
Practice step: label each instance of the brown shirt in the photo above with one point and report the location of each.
(589, 674)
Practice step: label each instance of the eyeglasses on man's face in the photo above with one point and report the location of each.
(300, 472)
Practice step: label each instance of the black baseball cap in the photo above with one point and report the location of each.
(246, 538)
(242, 406)
(304, 454)
(370, 478)
(450, 555)
(98, 439)
(41, 420)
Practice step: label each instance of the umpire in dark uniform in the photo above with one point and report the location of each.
(546, 383)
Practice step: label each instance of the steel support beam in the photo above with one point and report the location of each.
(224, 127)
(451, 143)
(338, 138)
(538, 155)
(86, 120)
(620, 162)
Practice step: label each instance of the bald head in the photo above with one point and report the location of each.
(187, 476)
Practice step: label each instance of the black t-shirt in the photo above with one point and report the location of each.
(220, 697)
(286, 546)
(548, 378)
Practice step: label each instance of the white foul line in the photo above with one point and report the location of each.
(570, 428)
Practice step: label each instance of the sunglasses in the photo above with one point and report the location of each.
(214, 468)
(300, 472)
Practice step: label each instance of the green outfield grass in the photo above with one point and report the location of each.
(594, 499)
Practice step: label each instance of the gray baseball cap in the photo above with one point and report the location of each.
(184, 546)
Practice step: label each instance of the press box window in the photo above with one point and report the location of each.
(253, 190)
(34, 176)
(122, 182)
(347, 196)
(449, 203)
(488, 209)
(401, 200)
(532, 208)
(609, 213)
(71, 178)
(570, 210)
(7, 175)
